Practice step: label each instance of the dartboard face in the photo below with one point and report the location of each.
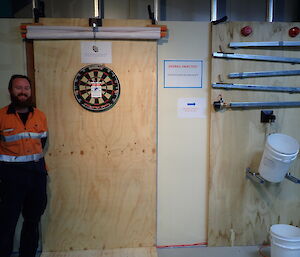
(96, 88)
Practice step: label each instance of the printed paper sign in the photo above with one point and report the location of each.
(96, 52)
(96, 90)
(183, 74)
(191, 108)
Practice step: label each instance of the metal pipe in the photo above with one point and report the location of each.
(96, 8)
(264, 44)
(156, 10)
(249, 105)
(270, 10)
(33, 9)
(213, 11)
(252, 74)
(221, 105)
(99, 9)
(256, 57)
(256, 88)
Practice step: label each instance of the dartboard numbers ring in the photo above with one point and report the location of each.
(96, 88)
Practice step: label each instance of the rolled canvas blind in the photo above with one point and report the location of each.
(67, 32)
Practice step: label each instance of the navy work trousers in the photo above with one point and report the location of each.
(22, 190)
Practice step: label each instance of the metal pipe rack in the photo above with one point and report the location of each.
(256, 87)
(253, 74)
(221, 105)
(256, 57)
(264, 44)
(256, 177)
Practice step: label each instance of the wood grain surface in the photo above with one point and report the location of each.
(102, 166)
(241, 211)
(126, 252)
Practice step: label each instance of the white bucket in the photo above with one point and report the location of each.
(285, 241)
(279, 153)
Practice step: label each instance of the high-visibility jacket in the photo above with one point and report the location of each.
(19, 142)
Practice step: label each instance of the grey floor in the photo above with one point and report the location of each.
(243, 251)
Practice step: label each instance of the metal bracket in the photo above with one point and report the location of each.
(95, 22)
(151, 15)
(38, 10)
(292, 178)
(254, 176)
(223, 19)
(259, 179)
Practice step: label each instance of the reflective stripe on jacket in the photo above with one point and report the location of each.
(19, 142)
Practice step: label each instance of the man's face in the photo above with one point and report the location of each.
(20, 93)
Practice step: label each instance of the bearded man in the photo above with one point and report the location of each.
(23, 174)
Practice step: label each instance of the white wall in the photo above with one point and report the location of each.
(12, 54)
(182, 143)
(12, 61)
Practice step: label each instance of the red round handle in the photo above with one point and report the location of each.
(293, 32)
(246, 31)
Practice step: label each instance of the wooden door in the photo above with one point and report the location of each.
(102, 166)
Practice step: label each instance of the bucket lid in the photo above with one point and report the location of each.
(285, 231)
(283, 143)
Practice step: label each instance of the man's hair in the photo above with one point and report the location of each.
(17, 76)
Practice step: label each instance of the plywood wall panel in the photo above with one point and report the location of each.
(102, 166)
(240, 211)
(132, 252)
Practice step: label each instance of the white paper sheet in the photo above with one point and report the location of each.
(191, 107)
(183, 74)
(96, 52)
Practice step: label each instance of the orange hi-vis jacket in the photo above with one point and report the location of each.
(19, 142)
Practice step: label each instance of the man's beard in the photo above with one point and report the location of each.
(21, 104)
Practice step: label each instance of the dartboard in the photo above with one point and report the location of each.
(96, 88)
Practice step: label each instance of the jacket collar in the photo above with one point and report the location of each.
(12, 110)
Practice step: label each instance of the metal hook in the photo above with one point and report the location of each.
(254, 176)
(292, 178)
(95, 29)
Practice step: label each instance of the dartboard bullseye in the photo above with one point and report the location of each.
(96, 88)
